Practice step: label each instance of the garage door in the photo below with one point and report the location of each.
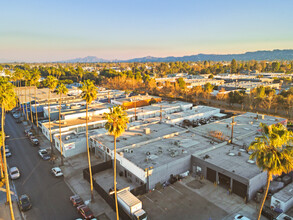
(239, 189)
(211, 175)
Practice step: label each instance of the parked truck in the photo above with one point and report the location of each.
(131, 204)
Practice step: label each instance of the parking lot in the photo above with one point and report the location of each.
(178, 202)
(193, 198)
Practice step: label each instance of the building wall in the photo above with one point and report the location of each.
(256, 183)
(131, 167)
(70, 149)
(162, 173)
(253, 185)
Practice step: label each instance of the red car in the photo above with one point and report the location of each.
(85, 211)
(76, 200)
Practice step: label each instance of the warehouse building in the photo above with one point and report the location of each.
(283, 199)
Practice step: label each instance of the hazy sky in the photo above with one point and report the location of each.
(51, 30)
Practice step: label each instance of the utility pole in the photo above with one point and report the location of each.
(232, 124)
(135, 118)
(161, 114)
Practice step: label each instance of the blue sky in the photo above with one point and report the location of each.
(37, 30)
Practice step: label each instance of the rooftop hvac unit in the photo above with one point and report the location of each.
(130, 151)
(126, 150)
(147, 130)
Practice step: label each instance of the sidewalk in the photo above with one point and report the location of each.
(73, 177)
(5, 212)
(72, 170)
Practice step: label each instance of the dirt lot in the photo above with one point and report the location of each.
(179, 203)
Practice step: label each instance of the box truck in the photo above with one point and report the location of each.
(131, 204)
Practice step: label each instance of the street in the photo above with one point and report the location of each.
(49, 195)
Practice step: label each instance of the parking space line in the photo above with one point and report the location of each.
(176, 190)
(28, 176)
(149, 199)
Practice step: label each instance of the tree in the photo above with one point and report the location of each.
(26, 75)
(273, 153)
(51, 83)
(8, 102)
(181, 83)
(35, 77)
(89, 94)
(61, 90)
(116, 124)
(233, 66)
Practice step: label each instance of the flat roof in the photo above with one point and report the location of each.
(285, 194)
(157, 107)
(166, 150)
(73, 122)
(246, 125)
(135, 135)
(233, 159)
(27, 93)
(69, 137)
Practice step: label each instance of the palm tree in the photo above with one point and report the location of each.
(51, 83)
(35, 76)
(117, 121)
(8, 102)
(89, 94)
(61, 90)
(26, 76)
(273, 153)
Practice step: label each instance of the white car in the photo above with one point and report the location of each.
(56, 171)
(240, 217)
(14, 173)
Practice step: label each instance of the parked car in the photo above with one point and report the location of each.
(24, 203)
(16, 115)
(7, 151)
(76, 200)
(44, 154)
(14, 173)
(56, 171)
(85, 211)
(34, 140)
(29, 134)
(240, 217)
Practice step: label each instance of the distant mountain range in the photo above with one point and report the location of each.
(256, 55)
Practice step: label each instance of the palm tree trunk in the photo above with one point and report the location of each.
(88, 155)
(52, 151)
(32, 120)
(60, 139)
(26, 103)
(36, 109)
(269, 176)
(115, 188)
(23, 107)
(8, 194)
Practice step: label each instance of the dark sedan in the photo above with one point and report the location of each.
(24, 203)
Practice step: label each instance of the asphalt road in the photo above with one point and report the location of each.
(49, 195)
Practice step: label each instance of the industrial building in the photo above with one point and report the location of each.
(283, 199)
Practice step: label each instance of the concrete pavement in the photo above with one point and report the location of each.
(73, 177)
